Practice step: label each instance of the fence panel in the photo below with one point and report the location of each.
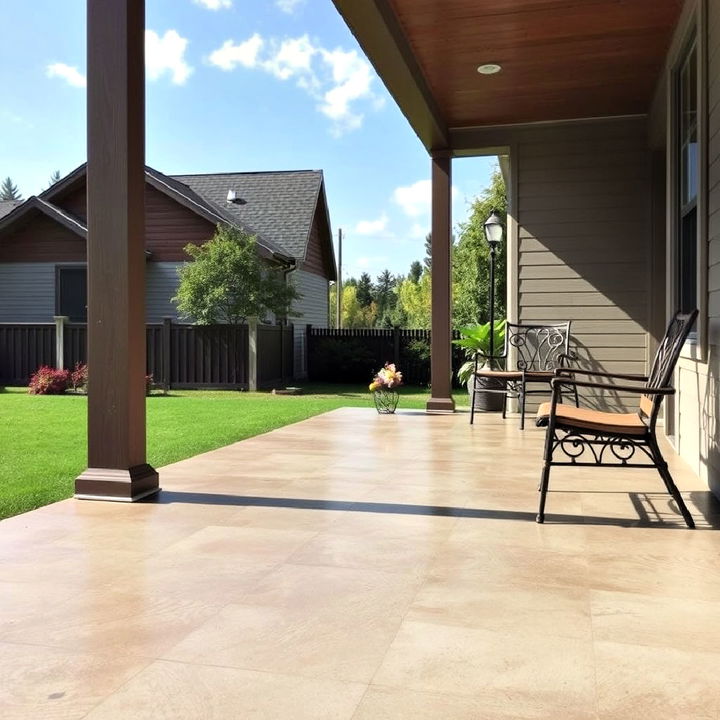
(23, 349)
(75, 345)
(352, 355)
(270, 354)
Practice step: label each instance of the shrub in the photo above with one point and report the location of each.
(48, 381)
(79, 377)
(342, 360)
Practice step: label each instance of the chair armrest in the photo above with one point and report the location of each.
(565, 359)
(596, 373)
(559, 381)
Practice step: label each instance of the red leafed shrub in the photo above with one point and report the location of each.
(79, 377)
(48, 381)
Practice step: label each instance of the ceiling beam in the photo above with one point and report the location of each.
(377, 30)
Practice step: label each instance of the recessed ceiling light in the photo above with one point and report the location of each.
(489, 69)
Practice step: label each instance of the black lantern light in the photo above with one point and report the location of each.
(494, 230)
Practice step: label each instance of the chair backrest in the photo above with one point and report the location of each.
(537, 347)
(664, 363)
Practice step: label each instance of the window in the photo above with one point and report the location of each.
(71, 292)
(687, 180)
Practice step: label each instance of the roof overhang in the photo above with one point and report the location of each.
(34, 205)
(561, 60)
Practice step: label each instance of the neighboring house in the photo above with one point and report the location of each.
(43, 241)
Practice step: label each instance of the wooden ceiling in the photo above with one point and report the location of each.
(561, 59)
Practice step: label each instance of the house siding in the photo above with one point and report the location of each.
(313, 306)
(27, 292)
(584, 242)
(161, 283)
(698, 380)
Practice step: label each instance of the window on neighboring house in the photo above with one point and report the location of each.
(687, 179)
(72, 293)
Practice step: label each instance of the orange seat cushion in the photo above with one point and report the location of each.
(568, 416)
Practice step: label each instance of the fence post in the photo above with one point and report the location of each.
(252, 354)
(306, 353)
(282, 354)
(60, 321)
(396, 347)
(166, 351)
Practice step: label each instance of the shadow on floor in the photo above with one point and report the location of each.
(652, 511)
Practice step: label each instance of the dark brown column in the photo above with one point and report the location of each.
(116, 261)
(441, 250)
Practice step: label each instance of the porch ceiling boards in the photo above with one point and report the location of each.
(561, 59)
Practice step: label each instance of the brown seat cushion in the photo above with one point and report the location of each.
(540, 375)
(569, 416)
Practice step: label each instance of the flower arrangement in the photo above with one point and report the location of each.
(389, 378)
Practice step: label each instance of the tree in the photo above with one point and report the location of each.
(9, 191)
(416, 270)
(385, 298)
(364, 290)
(228, 282)
(414, 302)
(55, 177)
(427, 260)
(471, 260)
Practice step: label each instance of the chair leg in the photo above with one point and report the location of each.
(522, 407)
(577, 399)
(504, 412)
(472, 402)
(545, 477)
(662, 468)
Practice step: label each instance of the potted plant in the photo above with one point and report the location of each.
(384, 389)
(476, 340)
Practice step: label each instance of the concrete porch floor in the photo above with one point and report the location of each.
(366, 567)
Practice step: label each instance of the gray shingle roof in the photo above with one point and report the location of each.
(8, 206)
(278, 205)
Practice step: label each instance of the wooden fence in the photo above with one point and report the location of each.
(354, 355)
(178, 356)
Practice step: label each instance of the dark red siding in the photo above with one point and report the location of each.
(42, 240)
(318, 259)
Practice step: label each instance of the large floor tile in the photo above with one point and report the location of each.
(175, 691)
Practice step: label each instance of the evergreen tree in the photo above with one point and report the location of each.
(427, 260)
(55, 177)
(9, 191)
(471, 260)
(416, 270)
(364, 290)
(385, 297)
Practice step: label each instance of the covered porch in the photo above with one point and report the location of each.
(364, 566)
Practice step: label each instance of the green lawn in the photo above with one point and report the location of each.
(43, 445)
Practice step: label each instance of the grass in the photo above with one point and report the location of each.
(44, 445)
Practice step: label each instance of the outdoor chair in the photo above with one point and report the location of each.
(539, 350)
(583, 437)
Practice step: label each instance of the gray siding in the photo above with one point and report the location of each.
(27, 292)
(583, 214)
(314, 308)
(161, 282)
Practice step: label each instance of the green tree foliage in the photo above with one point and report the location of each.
(55, 177)
(414, 299)
(355, 315)
(471, 260)
(364, 290)
(427, 260)
(416, 270)
(228, 282)
(9, 190)
(385, 298)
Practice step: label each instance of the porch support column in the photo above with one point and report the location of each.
(116, 260)
(441, 248)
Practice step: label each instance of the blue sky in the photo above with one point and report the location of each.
(236, 85)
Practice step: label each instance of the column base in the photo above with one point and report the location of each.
(440, 405)
(130, 485)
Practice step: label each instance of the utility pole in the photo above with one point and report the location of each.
(338, 284)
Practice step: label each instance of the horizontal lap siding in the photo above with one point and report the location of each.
(583, 209)
(161, 282)
(313, 309)
(27, 292)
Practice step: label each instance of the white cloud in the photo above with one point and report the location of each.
(338, 80)
(289, 6)
(372, 227)
(166, 54)
(70, 74)
(418, 231)
(230, 55)
(415, 199)
(214, 4)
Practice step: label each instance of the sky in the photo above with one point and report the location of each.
(235, 86)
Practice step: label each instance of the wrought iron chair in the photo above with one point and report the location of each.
(539, 351)
(585, 437)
